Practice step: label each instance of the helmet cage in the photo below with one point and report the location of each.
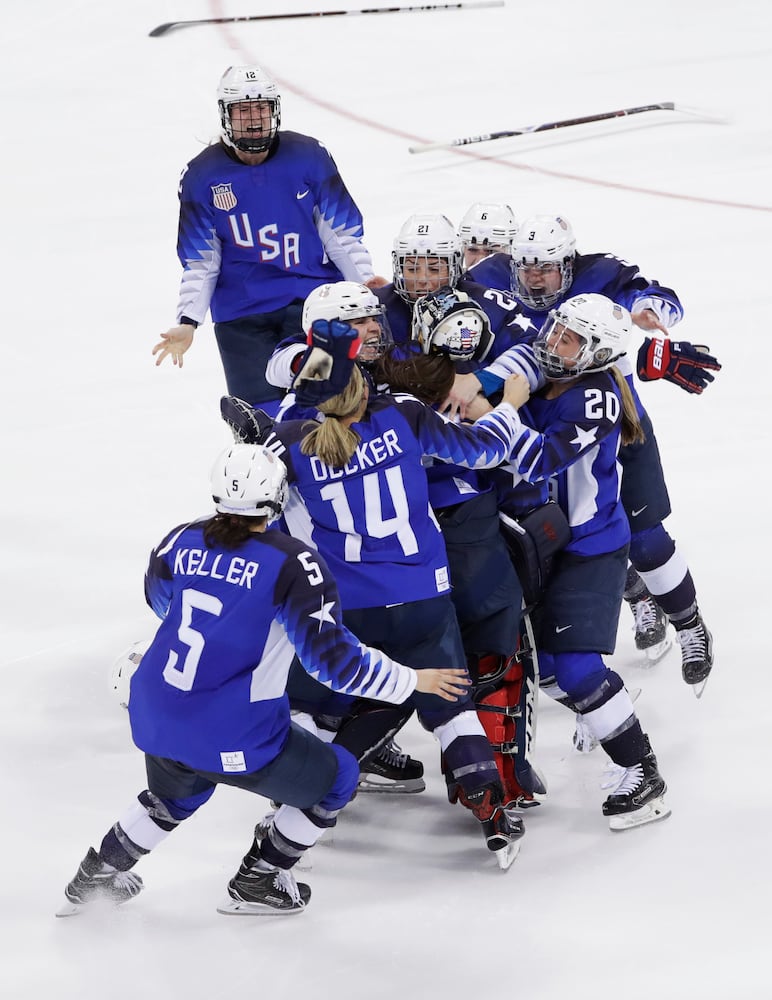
(243, 85)
(449, 322)
(431, 238)
(603, 329)
(545, 242)
(348, 301)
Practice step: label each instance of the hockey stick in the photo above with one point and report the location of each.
(548, 126)
(168, 26)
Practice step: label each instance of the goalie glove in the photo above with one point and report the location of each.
(686, 365)
(325, 368)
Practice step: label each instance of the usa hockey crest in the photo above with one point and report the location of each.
(223, 197)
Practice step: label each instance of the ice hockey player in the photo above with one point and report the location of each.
(208, 702)
(543, 270)
(264, 218)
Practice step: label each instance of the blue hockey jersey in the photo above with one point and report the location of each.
(254, 238)
(603, 273)
(210, 690)
(507, 318)
(372, 520)
(567, 448)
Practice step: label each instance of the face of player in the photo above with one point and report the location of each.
(423, 275)
(369, 329)
(477, 251)
(250, 119)
(540, 279)
(565, 343)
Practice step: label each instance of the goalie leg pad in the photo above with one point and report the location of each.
(506, 713)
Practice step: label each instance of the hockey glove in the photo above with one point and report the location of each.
(326, 367)
(248, 424)
(686, 365)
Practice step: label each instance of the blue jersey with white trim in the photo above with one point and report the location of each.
(509, 326)
(372, 520)
(210, 690)
(603, 273)
(508, 322)
(253, 239)
(568, 445)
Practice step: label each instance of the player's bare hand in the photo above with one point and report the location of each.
(517, 392)
(465, 389)
(377, 282)
(174, 343)
(450, 683)
(647, 319)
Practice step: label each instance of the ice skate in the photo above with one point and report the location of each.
(639, 795)
(95, 881)
(696, 644)
(391, 770)
(651, 632)
(503, 832)
(259, 893)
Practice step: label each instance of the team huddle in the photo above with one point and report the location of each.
(441, 489)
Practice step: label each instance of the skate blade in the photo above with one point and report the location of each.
(699, 687)
(238, 908)
(654, 653)
(524, 803)
(374, 783)
(69, 909)
(505, 856)
(652, 812)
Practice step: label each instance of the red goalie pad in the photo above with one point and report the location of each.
(505, 701)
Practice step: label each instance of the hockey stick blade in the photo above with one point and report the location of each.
(167, 26)
(566, 123)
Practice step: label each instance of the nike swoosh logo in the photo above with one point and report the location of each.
(562, 628)
(635, 513)
(302, 194)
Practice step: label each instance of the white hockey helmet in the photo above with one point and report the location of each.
(426, 236)
(246, 84)
(347, 301)
(545, 241)
(450, 322)
(602, 326)
(124, 669)
(249, 479)
(488, 225)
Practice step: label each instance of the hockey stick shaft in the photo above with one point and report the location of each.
(546, 127)
(168, 26)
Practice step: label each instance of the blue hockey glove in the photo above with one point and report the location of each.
(686, 365)
(325, 368)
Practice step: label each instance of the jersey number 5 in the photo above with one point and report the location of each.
(183, 677)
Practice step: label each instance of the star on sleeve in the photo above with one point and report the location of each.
(323, 614)
(584, 438)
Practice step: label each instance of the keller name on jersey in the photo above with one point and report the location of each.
(200, 562)
(368, 454)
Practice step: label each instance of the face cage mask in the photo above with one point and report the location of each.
(260, 143)
(453, 261)
(461, 344)
(372, 350)
(555, 367)
(542, 302)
